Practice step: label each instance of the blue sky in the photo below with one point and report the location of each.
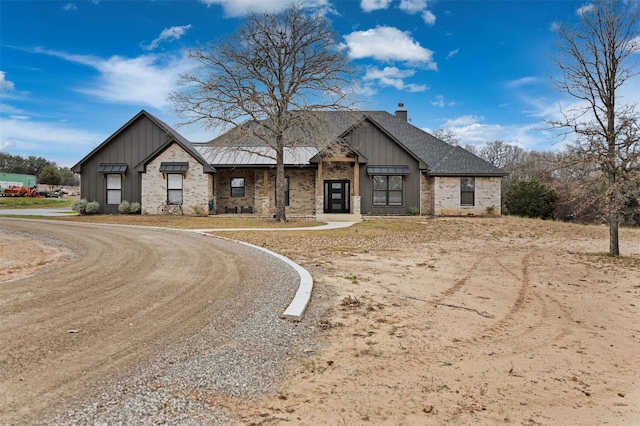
(73, 72)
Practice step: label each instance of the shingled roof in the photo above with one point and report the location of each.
(437, 157)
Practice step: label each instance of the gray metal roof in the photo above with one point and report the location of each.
(112, 167)
(174, 167)
(388, 170)
(254, 155)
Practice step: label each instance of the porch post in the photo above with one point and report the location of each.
(355, 203)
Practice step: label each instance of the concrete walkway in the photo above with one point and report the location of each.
(60, 211)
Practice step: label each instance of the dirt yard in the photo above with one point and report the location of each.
(453, 321)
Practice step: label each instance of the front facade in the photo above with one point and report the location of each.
(389, 168)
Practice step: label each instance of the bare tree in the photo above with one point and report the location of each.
(595, 60)
(266, 82)
(448, 136)
(502, 154)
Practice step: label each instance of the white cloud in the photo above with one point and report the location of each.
(525, 81)
(388, 44)
(234, 8)
(69, 6)
(371, 5)
(52, 140)
(428, 17)
(452, 53)
(585, 9)
(145, 80)
(413, 6)
(5, 85)
(173, 33)
(440, 102)
(472, 130)
(393, 77)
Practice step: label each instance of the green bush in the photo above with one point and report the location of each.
(93, 207)
(80, 206)
(531, 198)
(414, 211)
(135, 208)
(124, 207)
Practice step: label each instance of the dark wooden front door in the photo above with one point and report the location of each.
(336, 196)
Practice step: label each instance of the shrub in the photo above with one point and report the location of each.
(198, 210)
(124, 207)
(135, 208)
(414, 211)
(93, 207)
(531, 198)
(491, 209)
(80, 206)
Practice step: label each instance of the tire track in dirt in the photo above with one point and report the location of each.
(113, 304)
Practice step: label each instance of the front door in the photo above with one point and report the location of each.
(336, 196)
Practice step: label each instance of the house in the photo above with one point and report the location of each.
(389, 167)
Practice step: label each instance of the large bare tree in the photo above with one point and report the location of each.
(596, 60)
(266, 82)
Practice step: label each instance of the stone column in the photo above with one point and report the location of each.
(355, 204)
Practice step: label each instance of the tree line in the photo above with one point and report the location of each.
(47, 172)
(563, 185)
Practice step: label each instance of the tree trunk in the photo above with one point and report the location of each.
(280, 182)
(614, 248)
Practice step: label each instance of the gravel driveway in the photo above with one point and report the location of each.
(143, 326)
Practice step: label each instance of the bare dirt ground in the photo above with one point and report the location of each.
(62, 331)
(432, 321)
(467, 321)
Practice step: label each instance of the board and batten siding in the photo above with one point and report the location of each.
(381, 150)
(130, 147)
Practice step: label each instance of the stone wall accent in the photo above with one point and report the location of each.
(223, 190)
(447, 200)
(338, 171)
(197, 186)
(301, 191)
(427, 187)
(355, 204)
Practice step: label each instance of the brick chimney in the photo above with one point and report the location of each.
(401, 112)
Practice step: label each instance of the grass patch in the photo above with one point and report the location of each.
(33, 203)
(190, 222)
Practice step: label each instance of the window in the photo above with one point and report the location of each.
(174, 188)
(237, 187)
(114, 188)
(467, 191)
(387, 190)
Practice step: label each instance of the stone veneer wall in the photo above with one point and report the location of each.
(301, 191)
(447, 196)
(427, 186)
(197, 186)
(223, 190)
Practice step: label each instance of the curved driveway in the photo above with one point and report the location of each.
(124, 293)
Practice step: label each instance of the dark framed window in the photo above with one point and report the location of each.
(467, 191)
(237, 187)
(387, 190)
(174, 188)
(114, 188)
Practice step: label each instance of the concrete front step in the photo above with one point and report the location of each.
(338, 217)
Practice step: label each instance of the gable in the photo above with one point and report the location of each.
(128, 145)
(369, 140)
